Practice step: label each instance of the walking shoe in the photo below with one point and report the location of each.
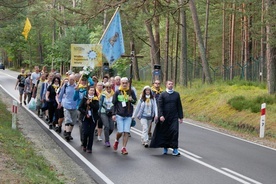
(59, 129)
(46, 118)
(84, 149)
(50, 126)
(175, 152)
(165, 151)
(99, 138)
(146, 145)
(70, 137)
(66, 136)
(107, 144)
(124, 151)
(115, 145)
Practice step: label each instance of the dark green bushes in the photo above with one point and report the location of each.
(241, 103)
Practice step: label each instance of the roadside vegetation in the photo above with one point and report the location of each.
(19, 161)
(233, 105)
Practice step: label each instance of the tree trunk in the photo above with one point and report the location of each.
(270, 49)
(262, 54)
(232, 42)
(153, 47)
(135, 62)
(157, 39)
(246, 43)
(204, 61)
(166, 62)
(206, 26)
(176, 47)
(183, 56)
(223, 42)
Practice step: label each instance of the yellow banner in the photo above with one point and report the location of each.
(27, 28)
(86, 55)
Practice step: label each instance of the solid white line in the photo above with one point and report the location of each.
(242, 176)
(91, 166)
(9, 76)
(238, 138)
(189, 153)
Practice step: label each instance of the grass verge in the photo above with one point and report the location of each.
(25, 166)
(233, 105)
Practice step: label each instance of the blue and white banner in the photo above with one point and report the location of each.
(112, 41)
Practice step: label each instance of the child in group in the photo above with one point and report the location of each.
(145, 111)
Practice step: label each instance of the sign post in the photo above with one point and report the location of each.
(262, 121)
(14, 113)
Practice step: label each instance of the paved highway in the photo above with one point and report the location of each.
(207, 156)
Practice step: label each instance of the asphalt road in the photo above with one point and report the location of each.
(207, 156)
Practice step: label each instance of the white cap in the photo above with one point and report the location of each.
(146, 87)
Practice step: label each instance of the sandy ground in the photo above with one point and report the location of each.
(45, 146)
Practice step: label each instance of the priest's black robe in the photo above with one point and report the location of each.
(165, 134)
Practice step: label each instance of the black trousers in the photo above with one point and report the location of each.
(88, 128)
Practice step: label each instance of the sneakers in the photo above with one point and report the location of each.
(107, 144)
(115, 145)
(175, 152)
(50, 126)
(84, 149)
(46, 118)
(99, 138)
(124, 151)
(165, 151)
(67, 136)
(146, 145)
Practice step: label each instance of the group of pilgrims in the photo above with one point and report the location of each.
(98, 106)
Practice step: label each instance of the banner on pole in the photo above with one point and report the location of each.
(27, 28)
(112, 40)
(86, 55)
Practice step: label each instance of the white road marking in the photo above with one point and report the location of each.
(238, 138)
(196, 158)
(242, 176)
(186, 154)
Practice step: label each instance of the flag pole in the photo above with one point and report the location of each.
(109, 23)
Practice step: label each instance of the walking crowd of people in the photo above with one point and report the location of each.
(98, 106)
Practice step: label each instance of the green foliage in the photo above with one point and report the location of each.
(121, 66)
(238, 102)
(31, 167)
(241, 103)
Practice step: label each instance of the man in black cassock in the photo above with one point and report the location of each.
(166, 131)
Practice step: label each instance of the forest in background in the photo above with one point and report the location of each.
(206, 39)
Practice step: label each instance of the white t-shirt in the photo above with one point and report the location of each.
(35, 77)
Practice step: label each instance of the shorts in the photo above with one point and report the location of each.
(70, 116)
(60, 113)
(100, 123)
(123, 124)
(21, 90)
